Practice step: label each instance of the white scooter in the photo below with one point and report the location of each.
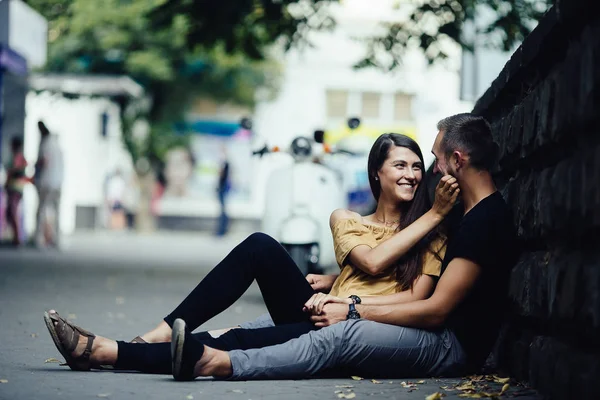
(299, 200)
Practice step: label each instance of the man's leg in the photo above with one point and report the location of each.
(356, 346)
(40, 217)
(56, 225)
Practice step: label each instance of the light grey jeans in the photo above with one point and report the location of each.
(359, 347)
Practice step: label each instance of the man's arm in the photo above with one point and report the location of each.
(421, 290)
(458, 279)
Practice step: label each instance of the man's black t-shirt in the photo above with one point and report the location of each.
(485, 236)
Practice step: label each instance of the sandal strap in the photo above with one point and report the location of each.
(85, 357)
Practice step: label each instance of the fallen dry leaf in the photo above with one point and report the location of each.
(237, 391)
(421, 382)
(120, 300)
(3, 380)
(500, 380)
(504, 388)
(346, 395)
(435, 396)
(52, 360)
(471, 395)
(375, 381)
(476, 378)
(479, 395)
(357, 378)
(34, 335)
(103, 394)
(448, 388)
(466, 386)
(344, 386)
(407, 385)
(189, 397)
(72, 316)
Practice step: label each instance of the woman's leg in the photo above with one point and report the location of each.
(12, 213)
(259, 258)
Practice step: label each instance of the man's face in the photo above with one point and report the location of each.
(441, 163)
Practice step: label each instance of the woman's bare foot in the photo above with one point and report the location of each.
(213, 363)
(160, 334)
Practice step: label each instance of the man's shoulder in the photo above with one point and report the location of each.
(491, 212)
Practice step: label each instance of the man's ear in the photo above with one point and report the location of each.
(458, 159)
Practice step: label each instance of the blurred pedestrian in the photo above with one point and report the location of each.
(15, 182)
(222, 191)
(49, 174)
(115, 193)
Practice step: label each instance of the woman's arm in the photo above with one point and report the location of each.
(422, 289)
(321, 283)
(374, 261)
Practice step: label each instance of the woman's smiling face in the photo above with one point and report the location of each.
(400, 174)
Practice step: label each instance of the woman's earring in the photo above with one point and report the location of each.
(376, 178)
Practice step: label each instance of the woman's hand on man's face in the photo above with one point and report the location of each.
(446, 194)
(315, 304)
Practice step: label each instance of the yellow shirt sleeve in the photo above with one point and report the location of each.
(431, 264)
(347, 234)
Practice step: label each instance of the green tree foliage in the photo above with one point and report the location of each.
(117, 37)
(249, 25)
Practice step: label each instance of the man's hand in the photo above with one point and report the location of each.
(315, 304)
(332, 314)
(321, 283)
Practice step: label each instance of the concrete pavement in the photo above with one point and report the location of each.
(119, 286)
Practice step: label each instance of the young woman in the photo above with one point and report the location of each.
(391, 252)
(15, 183)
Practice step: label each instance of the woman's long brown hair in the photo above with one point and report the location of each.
(410, 266)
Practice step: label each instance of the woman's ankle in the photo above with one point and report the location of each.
(160, 334)
(104, 351)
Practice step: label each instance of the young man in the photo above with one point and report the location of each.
(450, 333)
(48, 180)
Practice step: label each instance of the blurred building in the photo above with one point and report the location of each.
(84, 115)
(23, 40)
(321, 90)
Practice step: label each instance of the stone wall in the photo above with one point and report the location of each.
(545, 112)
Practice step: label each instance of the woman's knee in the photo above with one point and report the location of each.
(259, 240)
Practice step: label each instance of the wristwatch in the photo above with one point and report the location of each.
(355, 299)
(352, 313)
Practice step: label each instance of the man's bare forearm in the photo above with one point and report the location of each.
(415, 314)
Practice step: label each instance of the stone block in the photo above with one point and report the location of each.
(515, 134)
(561, 286)
(530, 121)
(545, 112)
(563, 371)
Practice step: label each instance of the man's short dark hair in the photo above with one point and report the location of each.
(471, 134)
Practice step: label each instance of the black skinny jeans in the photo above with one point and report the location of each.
(284, 290)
